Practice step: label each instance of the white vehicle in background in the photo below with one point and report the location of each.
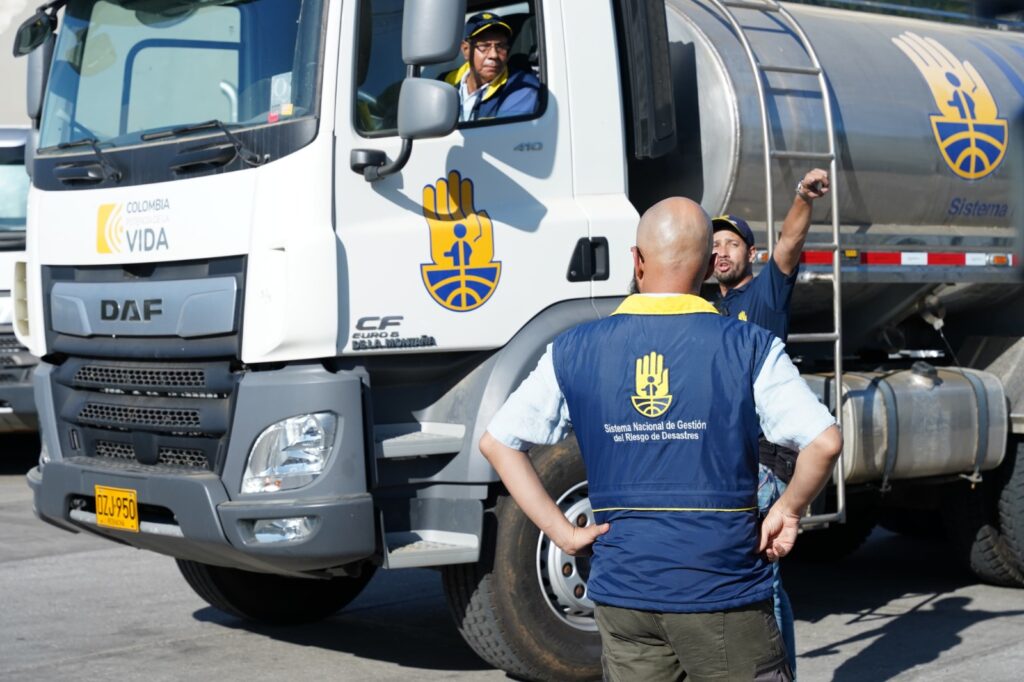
(17, 405)
(278, 293)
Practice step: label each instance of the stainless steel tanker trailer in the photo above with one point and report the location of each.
(259, 357)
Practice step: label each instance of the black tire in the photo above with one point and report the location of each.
(271, 598)
(1011, 502)
(499, 604)
(839, 540)
(970, 515)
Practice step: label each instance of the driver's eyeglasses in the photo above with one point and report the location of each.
(484, 48)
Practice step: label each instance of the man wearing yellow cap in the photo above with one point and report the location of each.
(487, 87)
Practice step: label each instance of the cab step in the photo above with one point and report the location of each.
(420, 439)
(418, 548)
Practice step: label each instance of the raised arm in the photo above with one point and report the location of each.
(798, 221)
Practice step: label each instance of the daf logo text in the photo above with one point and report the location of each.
(131, 310)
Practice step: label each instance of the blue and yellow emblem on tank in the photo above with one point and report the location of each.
(652, 397)
(968, 130)
(462, 273)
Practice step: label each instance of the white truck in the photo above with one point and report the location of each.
(17, 406)
(278, 292)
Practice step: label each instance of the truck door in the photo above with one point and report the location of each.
(474, 236)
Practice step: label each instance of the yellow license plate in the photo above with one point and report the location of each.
(117, 508)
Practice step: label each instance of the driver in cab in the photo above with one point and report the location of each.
(487, 87)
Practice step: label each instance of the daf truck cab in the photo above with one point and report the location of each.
(278, 290)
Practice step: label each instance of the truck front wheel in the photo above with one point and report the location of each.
(271, 598)
(524, 606)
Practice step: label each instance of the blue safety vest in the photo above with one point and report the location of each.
(661, 400)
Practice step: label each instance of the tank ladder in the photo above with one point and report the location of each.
(771, 154)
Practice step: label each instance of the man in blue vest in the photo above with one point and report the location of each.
(487, 87)
(667, 399)
(764, 300)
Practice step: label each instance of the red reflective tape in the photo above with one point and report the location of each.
(947, 259)
(816, 257)
(881, 258)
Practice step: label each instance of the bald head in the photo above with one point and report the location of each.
(674, 241)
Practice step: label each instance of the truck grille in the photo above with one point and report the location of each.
(12, 353)
(9, 344)
(101, 414)
(101, 376)
(181, 457)
(174, 416)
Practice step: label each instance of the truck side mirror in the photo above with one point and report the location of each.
(35, 82)
(426, 109)
(431, 34)
(432, 31)
(33, 32)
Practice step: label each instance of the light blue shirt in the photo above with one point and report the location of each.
(790, 414)
(468, 101)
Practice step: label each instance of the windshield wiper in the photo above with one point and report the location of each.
(107, 168)
(248, 156)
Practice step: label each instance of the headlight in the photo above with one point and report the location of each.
(291, 453)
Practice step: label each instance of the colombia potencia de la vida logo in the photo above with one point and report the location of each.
(133, 226)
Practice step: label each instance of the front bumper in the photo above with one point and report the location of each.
(200, 514)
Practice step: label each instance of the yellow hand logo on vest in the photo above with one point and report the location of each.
(742, 317)
(652, 397)
(968, 130)
(462, 273)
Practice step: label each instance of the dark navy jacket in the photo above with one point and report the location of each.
(661, 400)
(763, 300)
(513, 93)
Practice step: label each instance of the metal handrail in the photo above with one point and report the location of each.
(765, 138)
(837, 301)
(835, 337)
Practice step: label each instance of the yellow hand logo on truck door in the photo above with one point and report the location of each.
(463, 273)
(969, 132)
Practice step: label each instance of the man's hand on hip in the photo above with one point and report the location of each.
(778, 532)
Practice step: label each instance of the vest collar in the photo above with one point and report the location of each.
(683, 304)
(455, 78)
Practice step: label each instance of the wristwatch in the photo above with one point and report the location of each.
(800, 191)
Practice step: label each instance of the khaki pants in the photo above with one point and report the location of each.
(741, 644)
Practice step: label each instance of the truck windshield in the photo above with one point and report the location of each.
(14, 183)
(123, 69)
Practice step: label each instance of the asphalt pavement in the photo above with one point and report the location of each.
(76, 607)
